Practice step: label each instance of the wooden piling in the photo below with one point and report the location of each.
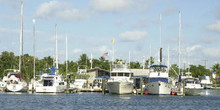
(103, 85)
(184, 83)
(141, 86)
(67, 84)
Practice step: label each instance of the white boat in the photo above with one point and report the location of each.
(158, 83)
(206, 82)
(50, 83)
(120, 81)
(192, 85)
(14, 81)
(79, 83)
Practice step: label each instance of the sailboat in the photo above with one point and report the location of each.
(52, 82)
(14, 79)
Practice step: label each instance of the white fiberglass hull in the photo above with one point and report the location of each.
(120, 87)
(16, 88)
(193, 91)
(158, 88)
(51, 89)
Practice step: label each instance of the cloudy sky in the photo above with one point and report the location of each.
(134, 25)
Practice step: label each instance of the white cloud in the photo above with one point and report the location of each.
(141, 23)
(119, 21)
(116, 6)
(212, 52)
(111, 5)
(59, 10)
(193, 48)
(214, 27)
(133, 35)
(169, 11)
(77, 50)
(209, 39)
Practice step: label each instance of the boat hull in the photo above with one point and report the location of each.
(51, 89)
(193, 91)
(158, 88)
(120, 87)
(16, 88)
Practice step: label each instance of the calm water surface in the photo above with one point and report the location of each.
(209, 100)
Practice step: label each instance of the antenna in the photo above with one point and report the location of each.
(179, 39)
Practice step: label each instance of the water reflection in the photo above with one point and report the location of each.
(122, 96)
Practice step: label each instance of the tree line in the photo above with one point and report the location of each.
(9, 61)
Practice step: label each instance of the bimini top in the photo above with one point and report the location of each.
(152, 66)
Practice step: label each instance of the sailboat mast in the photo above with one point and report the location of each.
(56, 46)
(34, 44)
(91, 61)
(160, 39)
(179, 39)
(21, 36)
(66, 55)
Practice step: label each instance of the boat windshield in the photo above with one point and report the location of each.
(158, 79)
(121, 74)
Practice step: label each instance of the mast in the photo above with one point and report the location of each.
(160, 39)
(179, 39)
(129, 59)
(113, 51)
(160, 28)
(168, 62)
(21, 36)
(91, 61)
(56, 46)
(66, 56)
(34, 44)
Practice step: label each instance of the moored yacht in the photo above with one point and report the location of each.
(158, 83)
(206, 82)
(192, 85)
(120, 81)
(50, 82)
(14, 81)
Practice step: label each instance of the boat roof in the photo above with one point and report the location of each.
(152, 66)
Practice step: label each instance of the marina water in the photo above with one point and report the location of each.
(209, 100)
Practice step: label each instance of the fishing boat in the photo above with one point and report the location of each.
(120, 81)
(158, 83)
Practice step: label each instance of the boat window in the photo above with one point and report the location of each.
(127, 74)
(61, 83)
(48, 82)
(113, 74)
(120, 74)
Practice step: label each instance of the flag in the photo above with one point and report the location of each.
(105, 54)
(112, 41)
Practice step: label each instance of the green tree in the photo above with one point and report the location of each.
(135, 65)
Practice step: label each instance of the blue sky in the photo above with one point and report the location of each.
(134, 24)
